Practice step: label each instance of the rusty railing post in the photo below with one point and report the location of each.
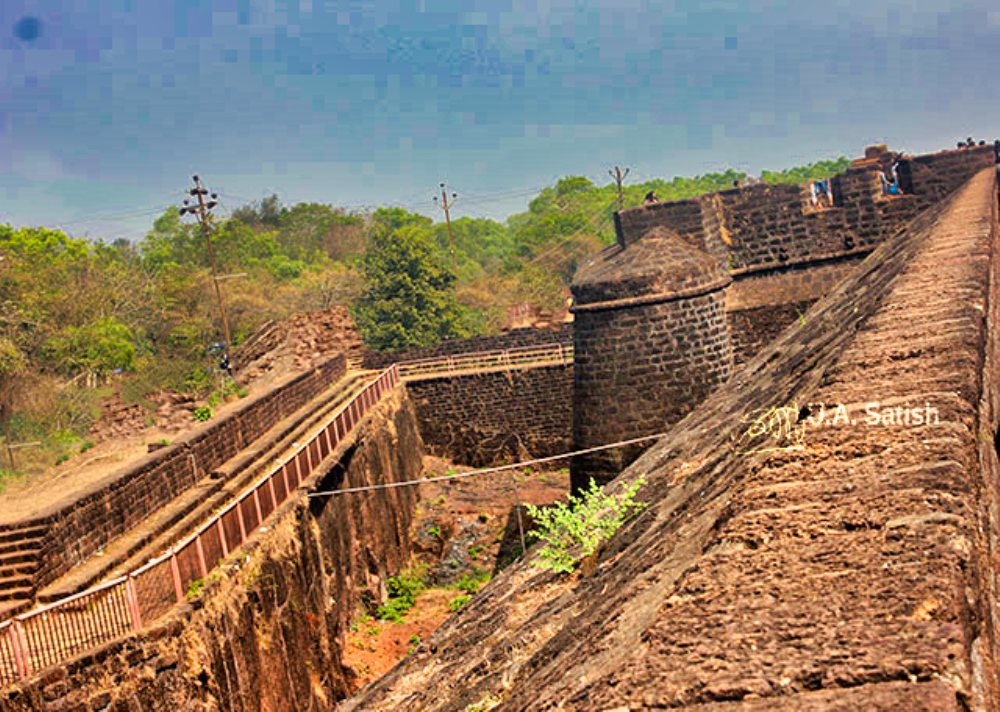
(222, 537)
(240, 521)
(284, 472)
(132, 599)
(175, 571)
(202, 567)
(256, 504)
(270, 487)
(21, 657)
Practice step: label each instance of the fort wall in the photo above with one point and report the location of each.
(487, 418)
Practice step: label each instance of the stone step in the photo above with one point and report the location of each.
(189, 510)
(19, 534)
(18, 569)
(23, 593)
(20, 545)
(14, 582)
(12, 608)
(15, 557)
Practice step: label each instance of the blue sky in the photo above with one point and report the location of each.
(106, 114)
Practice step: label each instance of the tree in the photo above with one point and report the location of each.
(12, 366)
(409, 299)
(99, 347)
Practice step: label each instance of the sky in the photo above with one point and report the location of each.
(108, 107)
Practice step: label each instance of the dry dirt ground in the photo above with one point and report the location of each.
(462, 528)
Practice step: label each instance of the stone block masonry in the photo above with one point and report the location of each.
(490, 418)
(75, 531)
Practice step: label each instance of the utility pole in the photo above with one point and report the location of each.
(202, 211)
(446, 206)
(619, 179)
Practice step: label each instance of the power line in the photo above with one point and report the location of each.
(202, 211)
(619, 178)
(447, 217)
(488, 470)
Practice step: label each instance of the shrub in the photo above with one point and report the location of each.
(403, 591)
(202, 414)
(470, 583)
(458, 601)
(194, 589)
(86, 445)
(574, 530)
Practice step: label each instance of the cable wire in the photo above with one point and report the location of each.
(486, 471)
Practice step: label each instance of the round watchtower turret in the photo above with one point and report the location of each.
(651, 341)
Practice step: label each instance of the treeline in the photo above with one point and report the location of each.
(74, 310)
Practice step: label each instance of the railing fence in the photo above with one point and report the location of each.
(50, 634)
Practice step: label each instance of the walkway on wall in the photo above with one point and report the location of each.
(54, 633)
(486, 362)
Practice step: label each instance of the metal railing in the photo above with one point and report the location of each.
(54, 633)
(484, 361)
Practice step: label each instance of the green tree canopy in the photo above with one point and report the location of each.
(98, 347)
(409, 297)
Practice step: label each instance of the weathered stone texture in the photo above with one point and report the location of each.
(638, 371)
(855, 571)
(774, 225)
(650, 341)
(128, 497)
(488, 418)
(268, 634)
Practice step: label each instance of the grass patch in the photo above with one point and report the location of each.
(455, 604)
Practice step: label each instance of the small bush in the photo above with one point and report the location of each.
(403, 591)
(61, 459)
(194, 589)
(202, 414)
(86, 445)
(458, 601)
(470, 583)
(7, 475)
(576, 530)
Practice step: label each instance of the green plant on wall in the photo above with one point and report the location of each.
(576, 529)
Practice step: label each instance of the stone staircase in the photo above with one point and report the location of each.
(186, 512)
(20, 552)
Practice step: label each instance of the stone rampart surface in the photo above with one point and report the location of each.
(845, 564)
(775, 225)
(77, 530)
(267, 634)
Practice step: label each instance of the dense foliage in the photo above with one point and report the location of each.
(409, 295)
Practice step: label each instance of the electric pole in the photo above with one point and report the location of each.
(619, 179)
(446, 206)
(202, 211)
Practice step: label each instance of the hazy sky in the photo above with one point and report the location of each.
(107, 107)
